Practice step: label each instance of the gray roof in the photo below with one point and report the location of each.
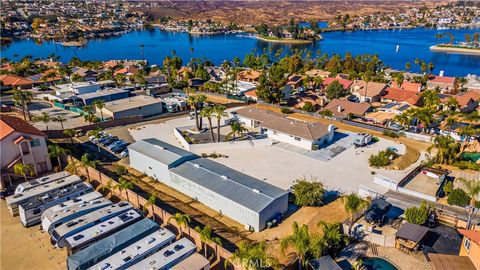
(412, 232)
(101, 93)
(236, 186)
(161, 151)
(324, 263)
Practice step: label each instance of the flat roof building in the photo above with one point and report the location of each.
(243, 198)
(105, 95)
(133, 106)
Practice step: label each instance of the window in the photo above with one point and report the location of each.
(466, 244)
(35, 143)
(37, 211)
(297, 138)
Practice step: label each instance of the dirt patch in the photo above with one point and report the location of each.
(402, 162)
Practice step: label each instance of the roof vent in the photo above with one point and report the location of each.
(196, 165)
(224, 177)
(256, 190)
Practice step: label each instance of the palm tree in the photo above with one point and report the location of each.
(200, 102)
(70, 133)
(219, 112)
(447, 149)
(237, 129)
(55, 151)
(207, 112)
(85, 163)
(124, 184)
(23, 98)
(251, 255)
(304, 244)
(207, 238)
(72, 166)
(192, 102)
(182, 221)
(333, 237)
(44, 117)
(24, 170)
(403, 119)
(60, 119)
(99, 104)
(97, 133)
(451, 121)
(109, 186)
(152, 199)
(352, 204)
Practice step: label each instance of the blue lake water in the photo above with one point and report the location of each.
(413, 43)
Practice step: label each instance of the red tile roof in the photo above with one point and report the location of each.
(14, 80)
(345, 83)
(397, 94)
(471, 234)
(342, 108)
(409, 86)
(442, 79)
(251, 93)
(9, 124)
(473, 94)
(462, 100)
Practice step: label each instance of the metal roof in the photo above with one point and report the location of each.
(102, 93)
(236, 186)
(167, 256)
(412, 232)
(160, 151)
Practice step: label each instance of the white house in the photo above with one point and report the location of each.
(280, 128)
(21, 142)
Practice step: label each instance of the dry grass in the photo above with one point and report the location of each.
(403, 161)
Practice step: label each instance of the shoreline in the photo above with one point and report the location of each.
(285, 40)
(455, 50)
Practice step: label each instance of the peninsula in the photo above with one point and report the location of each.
(455, 49)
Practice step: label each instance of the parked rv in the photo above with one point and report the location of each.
(22, 187)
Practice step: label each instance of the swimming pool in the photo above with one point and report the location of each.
(376, 263)
(473, 157)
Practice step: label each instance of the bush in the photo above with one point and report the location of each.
(448, 187)
(382, 159)
(120, 170)
(308, 193)
(458, 197)
(391, 134)
(467, 165)
(308, 107)
(286, 110)
(417, 215)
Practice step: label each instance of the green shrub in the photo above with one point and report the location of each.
(467, 165)
(308, 193)
(120, 170)
(326, 113)
(391, 134)
(382, 159)
(375, 139)
(286, 110)
(308, 107)
(458, 197)
(448, 187)
(417, 215)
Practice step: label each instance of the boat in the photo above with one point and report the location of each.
(397, 49)
(31, 211)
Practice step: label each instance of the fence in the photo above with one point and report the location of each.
(140, 202)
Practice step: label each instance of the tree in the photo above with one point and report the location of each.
(124, 184)
(333, 238)
(472, 188)
(447, 149)
(60, 119)
(55, 151)
(70, 133)
(152, 199)
(72, 166)
(237, 129)
(252, 256)
(208, 112)
(108, 187)
(308, 193)
(304, 244)
(23, 98)
(85, 163)
(417, 215)
(44, 117)
(182, 221)
(308, 107)
(219, 112)
(458, 197)
(335, 90)
(448, 187)
(99, 104)
(97, 134)
(352, 204)
(24, 170)
(206, 237)
(120, 170)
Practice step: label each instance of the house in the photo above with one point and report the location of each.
(251, 94)
(87, 75)
(156, 79)
(196, 82)
(184, 73)
(455, 130)
(80, 88)
(345, 83)
(471, 246)
(248, 75)
(8, 81)
(295, 81)
(466, 103)
(368, 91)
(280, 128)
(300, 99)
(141, 105)
(21, 142)
(318, 73)
(343, 108)
(410, 236)
(216, 74)
(409, 86)
(247, 200)
(395, 107)
(46, 78)
(442, 82)
(399, 95)
(127, 71)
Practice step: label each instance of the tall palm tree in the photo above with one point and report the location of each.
(85, 163)
(352, 203)
(237, 129)
(152, 199)
(192, 102)
(182, 221)
(402, 119)
(99, 104)
(208, 112)
(24, 170)
(304, 244)
(70, 133)
(23, 98)
(201, 99)
(44, 117)
(206, 237)
(447, 149)
(60, 119)
(55, 151)
(251, 256)
(72, 166)
(124, 184)
(333, 237)
(219, 112)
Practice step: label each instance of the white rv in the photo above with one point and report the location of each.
(40, 181)
(167, 257)
(86, 237)
(15, 200)
(51, 220)
(60, 233)
(194, 262)
(31, 211)
(137, 251)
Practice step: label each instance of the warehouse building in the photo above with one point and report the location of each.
(238, 196)
(133, 106)
(105, 95)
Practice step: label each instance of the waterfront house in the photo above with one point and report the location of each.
(8, 82)
(442, 82)
(280, 128)
(21, 142)
(248, 75)
(368, 91)
(343, 108)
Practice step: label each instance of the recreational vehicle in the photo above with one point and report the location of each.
(86, 237)
(56, 218)
(194, 262)
(15, 200)
(137, 251)
(40, 181)
(31, 211)
(60, 233)
(167, 257)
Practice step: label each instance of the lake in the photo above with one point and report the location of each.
(414, 43)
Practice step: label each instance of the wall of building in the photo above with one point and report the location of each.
(473, 253)
(86, 89)
(108, 98)
(282, 137)
(280, 205)
(148, 166)
(145, 111)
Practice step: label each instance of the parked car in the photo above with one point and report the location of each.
(109, 141)
(124, 153)
(110, 146)
(119, 148)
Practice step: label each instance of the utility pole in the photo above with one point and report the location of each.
(471, 215)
